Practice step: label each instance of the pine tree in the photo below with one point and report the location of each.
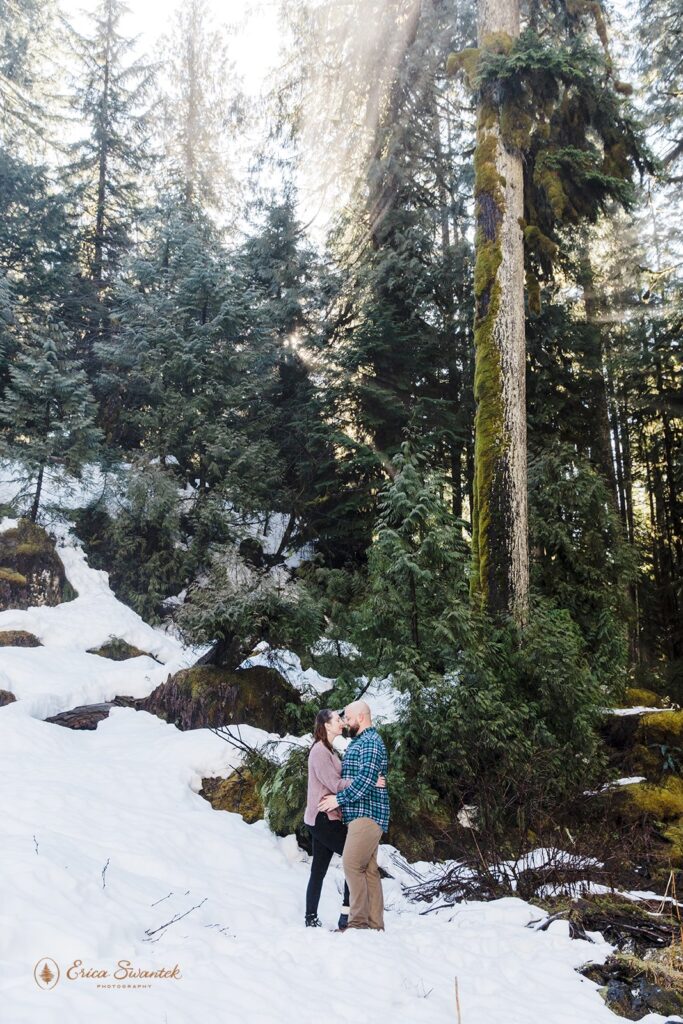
(284, 408)
(399, 335)
(37, 244)
(111, 97)
(555, 143)
(660, 29)
(27, 42)
(48, 412)
(413, 620)
(201, 108)
(172, 373)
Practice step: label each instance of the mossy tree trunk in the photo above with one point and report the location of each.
(500, 577)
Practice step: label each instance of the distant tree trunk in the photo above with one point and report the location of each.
(190, 133)
(500, 577)
(454, 383)
(602, 454)
(33, 515)
(100, 213)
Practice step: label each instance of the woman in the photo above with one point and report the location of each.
(327, 829)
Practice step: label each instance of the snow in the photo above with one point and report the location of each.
(110, 854)
(640, 710)
(288, 664)
(61, 675)
(59, 490)
(106, 840)
(381, 695)
(632, 780)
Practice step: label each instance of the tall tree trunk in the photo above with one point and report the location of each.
(500, 577)
(628, 471)
(33, 515)
(100, 213)
(602, 454)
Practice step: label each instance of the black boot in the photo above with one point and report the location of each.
(343, 922)
(313, 921)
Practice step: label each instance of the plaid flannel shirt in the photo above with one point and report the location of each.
(365, 759)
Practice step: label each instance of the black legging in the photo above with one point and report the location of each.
(328, 838)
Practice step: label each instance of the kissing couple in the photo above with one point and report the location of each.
(347, 810)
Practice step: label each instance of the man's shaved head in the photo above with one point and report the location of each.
(357, 717)
(358, 707)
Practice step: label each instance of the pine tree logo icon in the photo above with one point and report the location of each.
(46, 972)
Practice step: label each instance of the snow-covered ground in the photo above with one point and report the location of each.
(109, 855)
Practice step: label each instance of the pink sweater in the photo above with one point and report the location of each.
(324, 777)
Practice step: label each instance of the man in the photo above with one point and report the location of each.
(365, 809)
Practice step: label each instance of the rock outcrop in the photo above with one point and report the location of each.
(89, 716)
(208, 696)
(238, 793)
(18, 638)
(31, 571)
(119, 650)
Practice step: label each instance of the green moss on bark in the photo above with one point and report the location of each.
(488, 385)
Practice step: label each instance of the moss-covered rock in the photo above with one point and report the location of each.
(119, 650)
(647, 743)
(662, 802)
(664, 727)
(18, 638)
(31, 572)
(238, 793)
(638, 697)
(6, 698)
(208, 696)
(656, 810)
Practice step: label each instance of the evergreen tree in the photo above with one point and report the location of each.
(413, 621)
(37, 244)
(172, 370)
(284, 408)
(48, 412)
(201, 107)
(660, 28)
(582, 561)
(111, 94)
(554, 144)
(398, 359)
(27, 36)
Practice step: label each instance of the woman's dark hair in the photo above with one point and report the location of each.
(319, 730)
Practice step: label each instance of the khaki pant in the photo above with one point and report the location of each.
(362, 874)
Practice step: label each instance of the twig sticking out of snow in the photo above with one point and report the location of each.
(150, 932)
(104, 871)
(161, 900)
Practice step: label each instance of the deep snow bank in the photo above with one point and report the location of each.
(109, 855)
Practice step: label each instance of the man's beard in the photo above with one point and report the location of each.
(352, 730)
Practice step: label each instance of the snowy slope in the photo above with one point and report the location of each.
(105, 841)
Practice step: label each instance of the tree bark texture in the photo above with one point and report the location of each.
(500, 578)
